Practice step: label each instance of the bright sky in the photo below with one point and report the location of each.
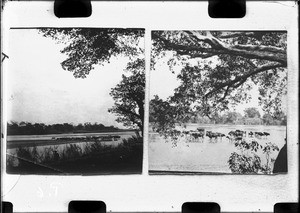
(39, 90)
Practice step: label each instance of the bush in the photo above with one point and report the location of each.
(71, 151)
(247, 161)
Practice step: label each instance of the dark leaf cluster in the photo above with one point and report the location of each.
(87, 47)
(246, 161)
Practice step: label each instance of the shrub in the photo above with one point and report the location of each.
(49, 155)
(247, 161)
(71, 151)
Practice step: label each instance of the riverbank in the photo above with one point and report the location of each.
(93, 158)
(44, 140)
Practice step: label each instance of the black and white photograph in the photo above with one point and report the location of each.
(149, 106)
(75, 101)
(218, 102)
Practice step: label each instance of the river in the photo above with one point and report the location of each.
(205, 156)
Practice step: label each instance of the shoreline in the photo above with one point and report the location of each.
(46, 140)
(50, 136)
(32, 143)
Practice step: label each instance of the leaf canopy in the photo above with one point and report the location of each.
(219, 69)
(87, 47)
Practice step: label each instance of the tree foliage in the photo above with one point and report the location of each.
(252, 112)
(129, 96)
(247, 161)
(218, 69)
(27, 128)
(87, 47)
(252, 117)
(232, 117)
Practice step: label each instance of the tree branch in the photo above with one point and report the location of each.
(185, 48)
(260, 48)
(199, 55)
(123, 109)
(196, 55)
(209, 39)
(226, 35)
(244, 77)
(219, 47)
(225, 94)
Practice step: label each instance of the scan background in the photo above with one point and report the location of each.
(38, 193)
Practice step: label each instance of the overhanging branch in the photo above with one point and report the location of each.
(217, 47)
(243, 78)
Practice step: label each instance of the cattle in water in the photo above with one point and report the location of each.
(236, 135)
(196, 136)
(231, 135)
(250, 134)
(258, 134)
(201, 132)
(266, 134)
(186, 134)
(214, 135)
(261, 135)
(193, 135)
(240, 133)
(229, 138)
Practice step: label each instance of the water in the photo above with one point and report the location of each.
(207, 155)
(14, 138)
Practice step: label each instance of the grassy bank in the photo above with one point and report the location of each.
(94, 158)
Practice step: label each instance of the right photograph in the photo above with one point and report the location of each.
(218, 102)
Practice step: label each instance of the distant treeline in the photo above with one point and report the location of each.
(251, 117)
(26, 128)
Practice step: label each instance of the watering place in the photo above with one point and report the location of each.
(207, 148)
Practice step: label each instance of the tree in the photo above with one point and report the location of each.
(86, 47)
(268, 119)
(129, 97)
(218, 69)
(232, 117)
(275, 119)
(252, 112)
(162, 115)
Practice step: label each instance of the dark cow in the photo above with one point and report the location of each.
(266, 134)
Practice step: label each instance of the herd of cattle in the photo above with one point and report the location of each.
(199, 134)
(89, 138)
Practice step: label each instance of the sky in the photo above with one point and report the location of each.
(39, 90)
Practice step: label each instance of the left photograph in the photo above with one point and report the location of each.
(74, 100)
